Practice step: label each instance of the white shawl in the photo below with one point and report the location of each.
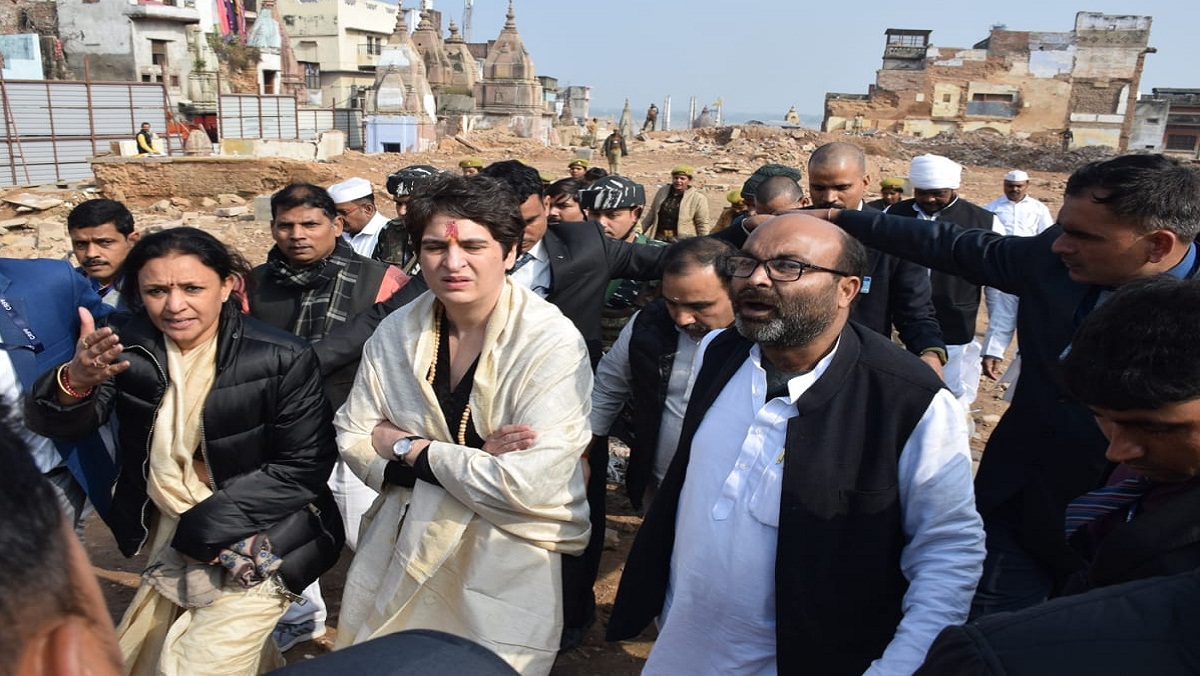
(479, 556)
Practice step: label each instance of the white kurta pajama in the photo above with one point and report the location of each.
(479, 556)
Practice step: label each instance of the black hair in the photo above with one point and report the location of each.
(566, 186)
(36, 586)
(522, 179)
(837, 152)
(594, 174)
(303, 195)
(696, 252)
(1153, 191)
(1138, 349)
(776, 188)
(853, 259)
(221, 259)
(479, 198)
(92, 213)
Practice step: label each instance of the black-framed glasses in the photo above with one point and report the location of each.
(778, 269)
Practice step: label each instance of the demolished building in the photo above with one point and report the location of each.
(1080, 86)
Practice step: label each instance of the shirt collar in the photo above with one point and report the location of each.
(798, 385)
(538, 252)
(1184, 267)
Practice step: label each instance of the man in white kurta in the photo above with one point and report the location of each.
(479, 556)
(1023, 216)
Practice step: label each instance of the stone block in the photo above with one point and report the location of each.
(230, 212)
(262, 208)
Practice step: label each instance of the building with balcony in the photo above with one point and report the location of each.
(337, 44)
(1168, 121)
(1029, 84)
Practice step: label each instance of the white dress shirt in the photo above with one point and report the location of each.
(364, 242)
(535, 275)
(614, 385)
(719, 615)
(1026, 218)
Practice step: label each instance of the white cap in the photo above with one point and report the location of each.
(934, 172)
(1016, 176)
(350, 190)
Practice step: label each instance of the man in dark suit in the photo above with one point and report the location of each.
(895, 292)
(1123, 219)
(570, 265)
(39, 326)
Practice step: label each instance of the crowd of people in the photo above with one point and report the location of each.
(794, 381)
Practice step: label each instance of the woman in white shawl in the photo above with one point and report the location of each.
(469, 415)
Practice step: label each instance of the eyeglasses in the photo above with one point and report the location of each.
(778, 269)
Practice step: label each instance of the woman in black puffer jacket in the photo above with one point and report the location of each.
(226, 443)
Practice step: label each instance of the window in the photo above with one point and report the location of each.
(1181, 142)
(906, 40)
(158, 54)
(312, 74)
(945, 98)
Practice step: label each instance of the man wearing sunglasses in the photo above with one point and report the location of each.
(817, 516)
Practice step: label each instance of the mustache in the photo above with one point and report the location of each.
(93, 261)
(755, 294)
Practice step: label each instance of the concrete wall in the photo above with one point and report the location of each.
(1149, 125)
(99, 33)
(195, 178)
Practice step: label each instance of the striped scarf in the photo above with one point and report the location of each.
(327, 285)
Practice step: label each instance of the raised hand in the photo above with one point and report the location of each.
(95, 358)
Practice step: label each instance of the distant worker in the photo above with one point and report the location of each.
(737, 207)
(792, 117)
(147, 141)
(891, 191)
(1067, 138)
(1023, 216)
(678, 210)
(591, 132)
(470, 165)
(577, 168)
(614, 149)
(651, 118)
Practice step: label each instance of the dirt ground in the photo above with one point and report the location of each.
(723, 158)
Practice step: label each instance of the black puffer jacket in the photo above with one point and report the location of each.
(267, 437)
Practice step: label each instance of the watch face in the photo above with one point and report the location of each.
(401, 448)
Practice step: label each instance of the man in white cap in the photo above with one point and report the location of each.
(1023, 216)
(361, 220)
(935, 180)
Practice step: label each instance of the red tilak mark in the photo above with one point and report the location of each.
(452, 230)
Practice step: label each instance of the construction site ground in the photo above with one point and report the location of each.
(32, 223)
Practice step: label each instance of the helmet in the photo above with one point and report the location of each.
(408, 179)
(612, 192)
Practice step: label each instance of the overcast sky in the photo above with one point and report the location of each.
(763, 56)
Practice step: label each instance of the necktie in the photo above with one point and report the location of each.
(1089, 507)
(521, 261)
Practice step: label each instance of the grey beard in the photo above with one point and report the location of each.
(790, 330)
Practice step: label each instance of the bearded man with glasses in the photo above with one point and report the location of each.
(823, 477)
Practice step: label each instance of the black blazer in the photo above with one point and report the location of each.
(582, 262)
(1047, 448)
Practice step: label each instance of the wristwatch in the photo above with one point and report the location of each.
(403, 447)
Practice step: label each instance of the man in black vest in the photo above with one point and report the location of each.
(1122, 219)
(650, 364)
(818, 515)
(895, 292)
(312, 282)
(935, 181)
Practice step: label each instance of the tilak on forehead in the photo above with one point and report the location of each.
(452, 230)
